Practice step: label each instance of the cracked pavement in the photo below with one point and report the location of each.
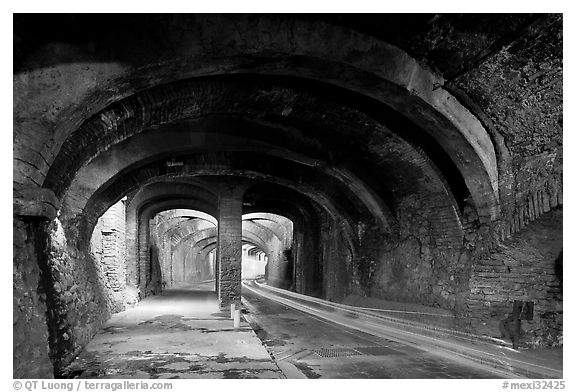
(179, 334)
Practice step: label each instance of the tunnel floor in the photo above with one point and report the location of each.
(183, 334)
(315, 348)
(179, 334)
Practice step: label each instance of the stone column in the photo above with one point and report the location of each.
(229, 246)
(33, 209)
(144, 255)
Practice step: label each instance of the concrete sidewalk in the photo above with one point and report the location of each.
(179, 334)
(476, 350)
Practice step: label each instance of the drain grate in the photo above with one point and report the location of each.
(377, 351)
(336, 352)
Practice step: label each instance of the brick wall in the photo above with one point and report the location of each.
(70, 292)
(420, 264)
(229, 249)
(528, 267)
(30, 331)
(108, 247)
(537, 188)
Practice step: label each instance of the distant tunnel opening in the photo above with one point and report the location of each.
(254, 262)
(268, 253)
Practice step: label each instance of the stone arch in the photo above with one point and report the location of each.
(402, 84)
(169, 195)
(141, 245)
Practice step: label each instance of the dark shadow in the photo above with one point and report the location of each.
(559, 268)
(155, 271)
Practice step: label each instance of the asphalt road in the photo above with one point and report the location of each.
(305, 346)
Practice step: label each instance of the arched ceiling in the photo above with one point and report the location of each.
(178, 228)
(365, 115)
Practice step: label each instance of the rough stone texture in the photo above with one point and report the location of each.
(411, 271)
(306, 257)
(293, 37)
(403, 183)
(30, 332)
(188, 267)
(36, 202)
(538, 188)
(229, 251)
(335, 260)
(179, 334)
(528, 267)
(422, 265)
(160, 202)
(108, 248)
(184, 255)
(77, 303)
(520, 88)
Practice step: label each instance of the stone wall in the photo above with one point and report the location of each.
(528, 268)
(30, 331)
(417, 273)
(537, 188)
(197, 269)
(76, 297)
(108, 248)
(336, 261)
(70, 292)
(418, 264)
(409, 270)
(165, 257)
(307, 258)
(279, 273)
(478, 281)
(178, 265)
(161, 251)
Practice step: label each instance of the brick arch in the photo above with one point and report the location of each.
(259, 235)
(192, 99)
(330, 195)
(279, 224)
(277, 272)
(173, 237)
(181, 215)
(208, 135)
(210, 235)
(395, 80)
(149, 197)
(152, 198)
(194, 237)
(138, 258)
(254, 250)
(171, 227)
(267, 198)
(183, 229)
(409, 171)
(204, 247)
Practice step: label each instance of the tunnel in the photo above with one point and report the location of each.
(409, 164)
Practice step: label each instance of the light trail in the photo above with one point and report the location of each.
(399, 330)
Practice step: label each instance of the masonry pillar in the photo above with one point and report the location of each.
(229, 246)
(144, 254)
(33, 209)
